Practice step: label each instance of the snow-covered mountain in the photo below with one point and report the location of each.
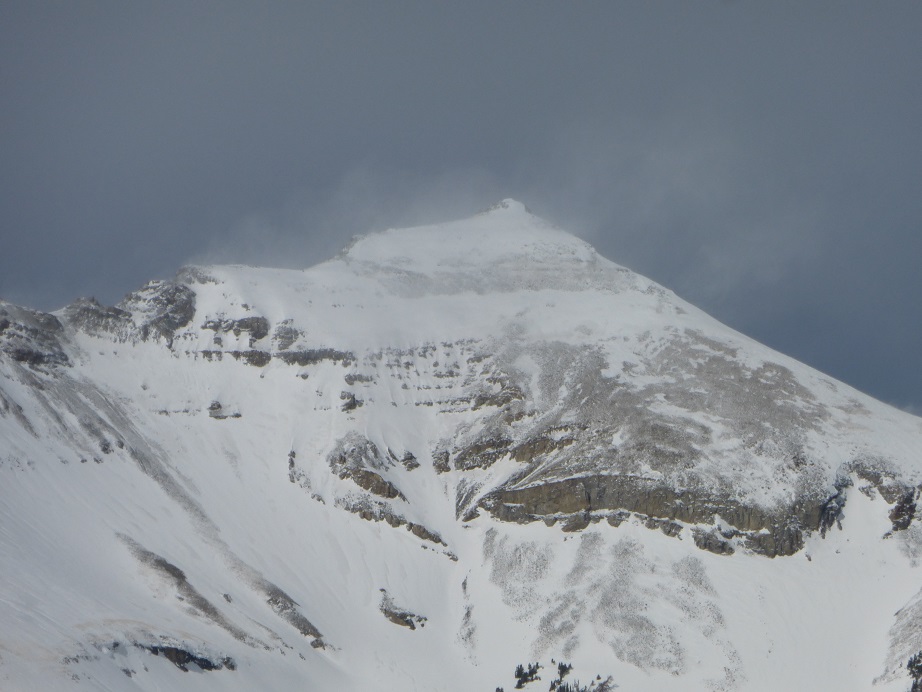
(448, 451)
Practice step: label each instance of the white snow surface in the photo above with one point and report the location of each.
(161, 491)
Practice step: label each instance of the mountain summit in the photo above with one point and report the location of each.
(446, 452)
(506, 233)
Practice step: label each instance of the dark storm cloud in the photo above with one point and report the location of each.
(762, 159)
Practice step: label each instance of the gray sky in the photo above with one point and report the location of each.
(762, 159)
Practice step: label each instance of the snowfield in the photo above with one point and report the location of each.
(448, 451)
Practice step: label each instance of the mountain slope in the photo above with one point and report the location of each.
(447, 451)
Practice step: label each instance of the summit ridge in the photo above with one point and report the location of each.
(506, 233)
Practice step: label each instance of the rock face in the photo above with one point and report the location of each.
(770, 533)
(399, 616)
(156, 311)
(483, 421)
(182, 659)
(31, 337)
(360, 460)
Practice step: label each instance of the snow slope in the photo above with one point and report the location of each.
(447, 451)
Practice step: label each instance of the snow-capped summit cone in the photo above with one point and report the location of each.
(449, 450)
(498, 239)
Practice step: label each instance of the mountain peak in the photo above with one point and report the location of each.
(474, 443)
(506, 233)
(508, 205)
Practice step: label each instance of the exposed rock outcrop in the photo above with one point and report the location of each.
(314, 356)
(183, 658)
(360, 460)
(31, 337)
(158, 310)
(255, 327)
(770, 532)
(397, 615)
